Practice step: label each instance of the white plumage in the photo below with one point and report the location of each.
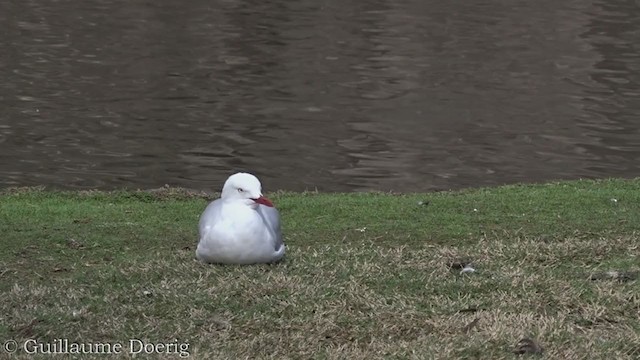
(242, 227)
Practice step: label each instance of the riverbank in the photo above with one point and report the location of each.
(365, 275)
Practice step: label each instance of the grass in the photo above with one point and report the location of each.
(365, 275)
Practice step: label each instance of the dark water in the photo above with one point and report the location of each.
(412, 95)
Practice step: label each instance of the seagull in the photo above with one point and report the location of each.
(241, 227)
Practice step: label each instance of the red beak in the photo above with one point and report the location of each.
(263, 201)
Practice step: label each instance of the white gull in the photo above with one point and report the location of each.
(242, 227)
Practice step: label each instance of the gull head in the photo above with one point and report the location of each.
(246, 188)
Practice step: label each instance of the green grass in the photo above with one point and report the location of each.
(365, 275)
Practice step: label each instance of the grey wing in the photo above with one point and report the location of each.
(271, 217)
(208, 215)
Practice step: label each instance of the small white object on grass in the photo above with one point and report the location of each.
(467, 269)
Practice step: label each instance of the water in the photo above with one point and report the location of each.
(331, 95)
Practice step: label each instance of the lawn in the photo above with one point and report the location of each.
(366, 275)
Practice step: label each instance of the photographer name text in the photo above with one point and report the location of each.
(66, 347)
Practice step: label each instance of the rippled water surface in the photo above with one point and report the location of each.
(413, 95)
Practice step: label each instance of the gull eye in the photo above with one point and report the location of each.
(240, 190)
